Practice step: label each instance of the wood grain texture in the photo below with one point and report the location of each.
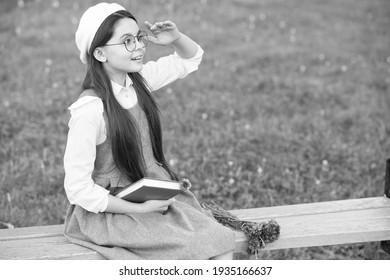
(302, 225)
(312, 208)
(46, 248)
(31, 232)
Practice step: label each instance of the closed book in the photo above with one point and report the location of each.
(150, 189)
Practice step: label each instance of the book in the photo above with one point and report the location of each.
(150, 189)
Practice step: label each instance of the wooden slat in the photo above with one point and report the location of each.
(49, 248)
(327, 229)
(302, 225)
(31, 232)
(312, 208)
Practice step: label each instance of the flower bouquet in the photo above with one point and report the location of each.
(258, 234)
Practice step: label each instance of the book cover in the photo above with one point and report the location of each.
(150, 189)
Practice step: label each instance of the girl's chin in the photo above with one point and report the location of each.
(136, 67)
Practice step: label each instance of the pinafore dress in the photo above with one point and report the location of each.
(184, 232)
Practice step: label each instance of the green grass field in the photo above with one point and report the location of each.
(290, 104)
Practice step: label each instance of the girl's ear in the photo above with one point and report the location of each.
(99, 55)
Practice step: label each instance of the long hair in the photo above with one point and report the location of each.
(122, 129)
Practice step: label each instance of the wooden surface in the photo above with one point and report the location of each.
(302, 225)
(324, 223)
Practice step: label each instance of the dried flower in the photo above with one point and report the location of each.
(185, 184)
(258, 234)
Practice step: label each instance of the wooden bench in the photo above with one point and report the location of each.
(302, 225)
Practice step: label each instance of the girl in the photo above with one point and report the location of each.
(115, 139)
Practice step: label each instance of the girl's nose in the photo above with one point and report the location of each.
(138, 44)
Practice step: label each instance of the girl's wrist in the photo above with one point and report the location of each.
(176, 41)
(120, 206)
(185, 46)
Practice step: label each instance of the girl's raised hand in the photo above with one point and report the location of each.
(164, 33)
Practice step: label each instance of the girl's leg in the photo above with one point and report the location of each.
(224, 256)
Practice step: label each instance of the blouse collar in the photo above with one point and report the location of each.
(117, 88)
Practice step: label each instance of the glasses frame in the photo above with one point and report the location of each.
(140, 34)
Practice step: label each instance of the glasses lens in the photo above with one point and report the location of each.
(143, 38)
(130, 43)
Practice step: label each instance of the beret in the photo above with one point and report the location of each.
(89, 24)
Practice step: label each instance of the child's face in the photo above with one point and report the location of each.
(119, 60)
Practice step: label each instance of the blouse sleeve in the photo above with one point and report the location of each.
(84, 127)
(169, 68)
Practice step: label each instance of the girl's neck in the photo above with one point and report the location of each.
(117, 77)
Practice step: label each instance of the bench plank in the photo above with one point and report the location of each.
(302, 225)
(312, 208)
(31, 232)
(47, 248)
(328, 229)
(323, 223)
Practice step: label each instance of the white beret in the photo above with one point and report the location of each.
(89, 24)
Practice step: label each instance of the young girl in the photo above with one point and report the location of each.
(115, 139)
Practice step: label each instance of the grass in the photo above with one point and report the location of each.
(290, 104)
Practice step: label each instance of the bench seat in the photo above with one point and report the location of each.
(302, 225)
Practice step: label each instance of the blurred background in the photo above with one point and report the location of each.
(290, 104)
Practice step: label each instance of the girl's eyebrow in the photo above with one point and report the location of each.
(127, 34)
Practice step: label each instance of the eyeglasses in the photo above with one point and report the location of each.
(130, 43)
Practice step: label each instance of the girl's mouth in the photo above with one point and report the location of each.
(137, 58)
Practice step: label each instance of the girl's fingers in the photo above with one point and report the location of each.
(152, 39)
(166, 24)
(165, 208)
(169, 24)
(166, 204)
(148, 24)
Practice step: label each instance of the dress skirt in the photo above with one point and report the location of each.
(184, 232)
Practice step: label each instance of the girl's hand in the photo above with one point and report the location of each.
(156, 205)
(165, 33)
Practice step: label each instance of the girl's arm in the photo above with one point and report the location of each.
(185, 46)
(168, 69)
(167, 33)
(120, 206)
(83, 136)
(84, 133)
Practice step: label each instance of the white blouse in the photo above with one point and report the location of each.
(87, 128)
